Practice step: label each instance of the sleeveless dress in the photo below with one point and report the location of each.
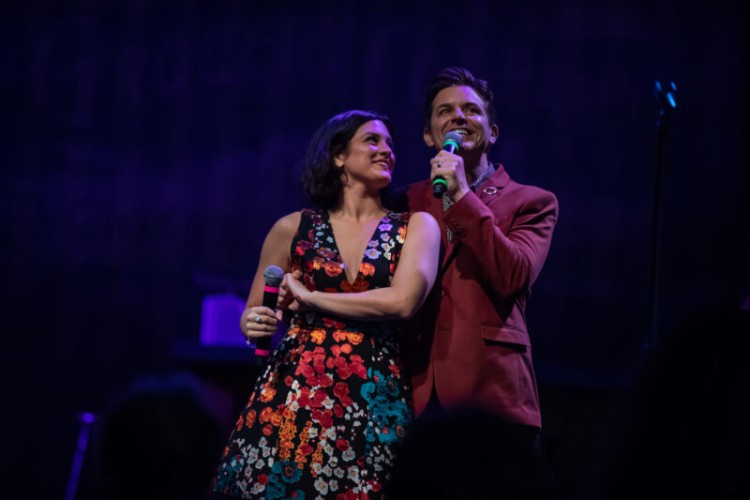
(331, 406)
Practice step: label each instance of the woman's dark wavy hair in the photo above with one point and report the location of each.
(452, 77)
(321, 179)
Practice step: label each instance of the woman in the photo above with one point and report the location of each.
(330, 408)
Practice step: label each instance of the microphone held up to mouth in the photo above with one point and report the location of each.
(452, 143)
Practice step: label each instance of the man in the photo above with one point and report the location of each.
(469, 345)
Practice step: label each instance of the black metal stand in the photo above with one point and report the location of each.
(666, 97)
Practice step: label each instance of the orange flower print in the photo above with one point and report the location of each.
(401, 234)
(276, 418)
(318, 335)
(352, 337)
(265, 414)
(267, 394)
(367, 269)
(332, 269)
(359, 285)
(355, 337)
(250, 418)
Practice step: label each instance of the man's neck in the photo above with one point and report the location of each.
(474, 172)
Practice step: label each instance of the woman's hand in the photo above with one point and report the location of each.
(293, 295)
(258, 321)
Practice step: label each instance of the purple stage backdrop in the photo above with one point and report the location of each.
(149, 146)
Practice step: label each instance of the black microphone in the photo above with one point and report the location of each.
(452, 143)
(273, 276)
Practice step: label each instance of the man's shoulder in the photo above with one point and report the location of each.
(530, 191)
(525, 191)
(419, 186)
(401, 198)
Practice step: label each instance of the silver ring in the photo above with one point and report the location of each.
(256, 319)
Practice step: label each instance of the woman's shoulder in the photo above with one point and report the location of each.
(287, 223)
(399, 216)
(421, 221)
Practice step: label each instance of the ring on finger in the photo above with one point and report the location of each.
(256, 319)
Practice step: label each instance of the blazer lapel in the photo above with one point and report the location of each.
(487, 193)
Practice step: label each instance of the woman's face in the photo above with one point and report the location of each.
(369, 157)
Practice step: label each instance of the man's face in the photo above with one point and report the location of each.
(460, 109)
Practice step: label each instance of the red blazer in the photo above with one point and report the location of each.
(470, 340)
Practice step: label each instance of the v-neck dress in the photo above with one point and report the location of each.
(329, 410)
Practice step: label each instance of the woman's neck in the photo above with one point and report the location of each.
(358, 208)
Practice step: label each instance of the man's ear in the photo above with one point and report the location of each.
(427, 136)
(494, 134)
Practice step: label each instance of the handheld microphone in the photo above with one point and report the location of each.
(273, 276)
(452, 143)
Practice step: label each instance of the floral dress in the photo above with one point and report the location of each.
(331, 406)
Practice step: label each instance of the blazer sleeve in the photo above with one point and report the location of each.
(510, 244)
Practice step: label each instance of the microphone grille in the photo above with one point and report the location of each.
(273, 275)
(453, 137)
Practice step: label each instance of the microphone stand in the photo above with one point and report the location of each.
(666, 97)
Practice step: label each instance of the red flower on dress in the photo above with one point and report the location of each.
(338, 411)
(342, 444)
(330, 323)
(341, 391)
(304, 400)
(324, 417)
